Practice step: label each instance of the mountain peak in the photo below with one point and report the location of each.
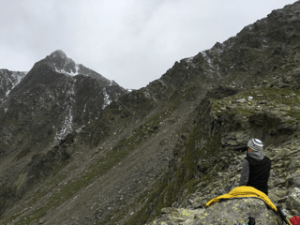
(58, 53)
(60, 63)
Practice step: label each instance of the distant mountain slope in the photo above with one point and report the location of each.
(41, 107)
(51, 102)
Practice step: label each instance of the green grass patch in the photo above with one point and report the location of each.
(245, 112)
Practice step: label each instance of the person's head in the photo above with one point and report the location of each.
(255, 145)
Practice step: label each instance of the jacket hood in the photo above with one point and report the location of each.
(256, 155)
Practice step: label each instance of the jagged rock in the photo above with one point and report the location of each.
(279, 192)
(42, 221)
(8, 81)
(224, 212)
(279, 182)
(294, 180)
(199, 202)
(176, 216)
(277, 195)
(265, 84)
(233, 139)
(293, 200)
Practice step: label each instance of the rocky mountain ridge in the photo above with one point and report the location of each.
(169, 144)
(39, 110)
(228, 124)
(8, 80)
(62, 64)
(45, 91)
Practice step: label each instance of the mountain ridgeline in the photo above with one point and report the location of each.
(77, 148)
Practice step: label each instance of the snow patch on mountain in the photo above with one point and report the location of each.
(84, 109)
(63, 71)
(10, 81)
(66, 66)
(210, 63)
(67, 127)
(107, 100)
(147, 94)
(163, 84)
(189, 60)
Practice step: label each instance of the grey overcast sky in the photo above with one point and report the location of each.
(133, 42)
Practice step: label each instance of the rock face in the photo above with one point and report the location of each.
(231, 211)
(79, 149)
(8, 80)
(227, 123)
(53, 102)
(59, 62)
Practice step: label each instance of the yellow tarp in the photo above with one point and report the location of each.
(244, 192)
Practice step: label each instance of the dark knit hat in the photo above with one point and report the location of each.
(255, 144)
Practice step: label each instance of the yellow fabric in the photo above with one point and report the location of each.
(244, 192)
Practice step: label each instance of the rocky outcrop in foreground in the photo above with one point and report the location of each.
(225, 212)
(270, 114)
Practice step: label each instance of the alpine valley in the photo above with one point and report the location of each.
(78, 149)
